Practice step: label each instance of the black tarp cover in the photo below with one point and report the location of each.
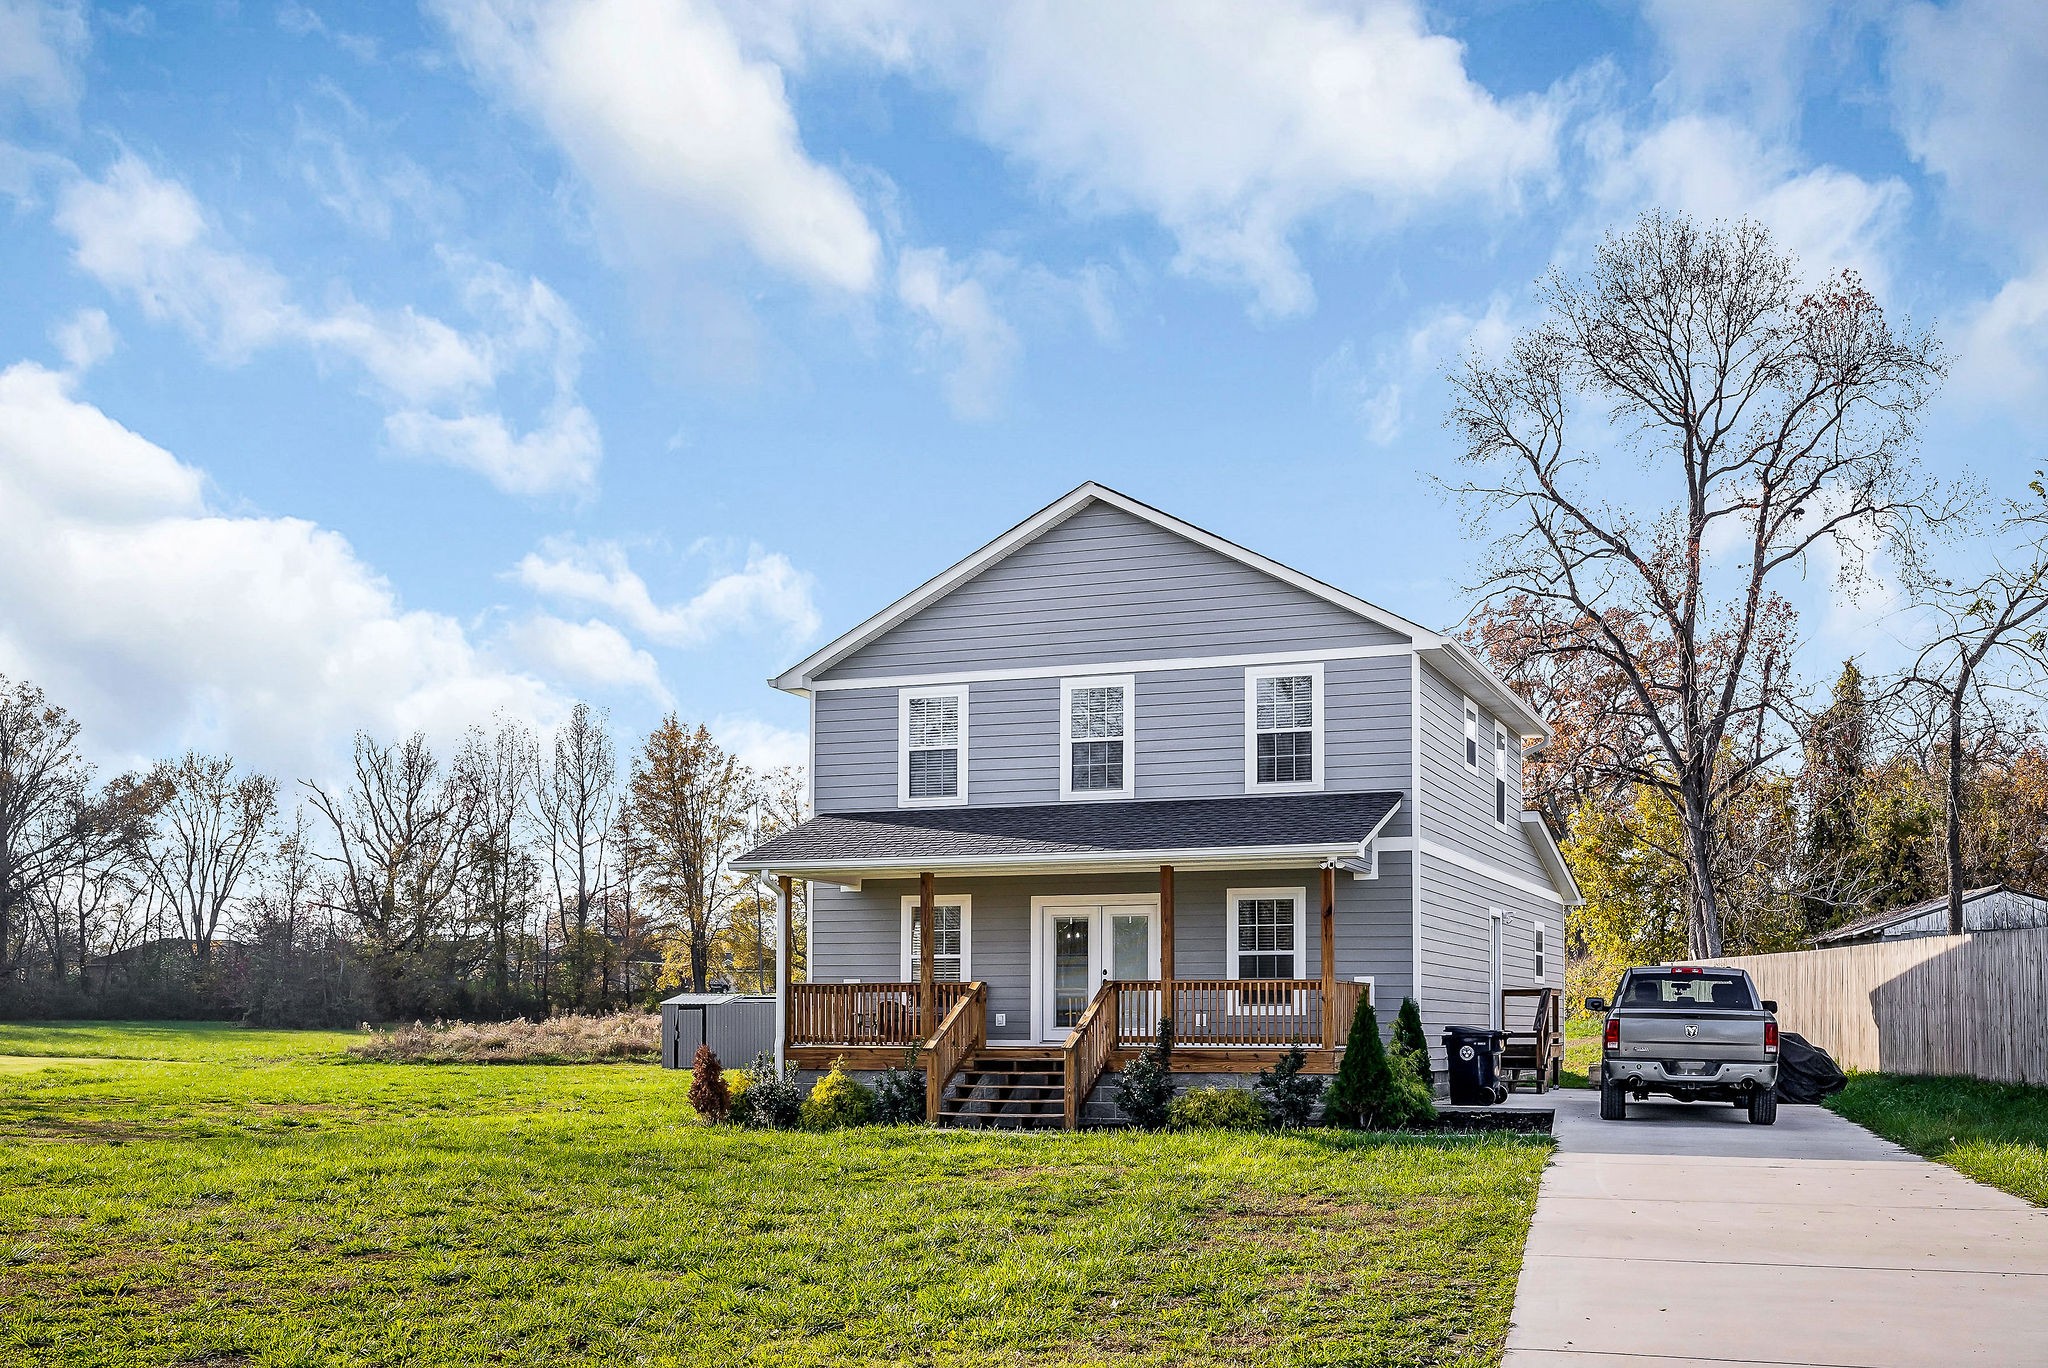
(1805, 1073)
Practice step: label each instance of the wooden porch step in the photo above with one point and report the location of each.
(1014, 1089)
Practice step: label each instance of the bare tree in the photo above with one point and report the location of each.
(208, 827)
(1778, 422)
(44, 807)
(574, 795)
(690, 804)
(501, 876)
(1998, 620)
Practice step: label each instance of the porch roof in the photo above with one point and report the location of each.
(1194, 833)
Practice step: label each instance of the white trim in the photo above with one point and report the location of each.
(1317, 702)
(958, 798)
(1372, 992)
(1537, 832)
(1471, 734)
(799, 675)
(1130, 737)
(1414, 824)
(1146, 665)
(1232, 955)
(1498, 873)
(908, 963)
(1496, 965)
(1037, 1030)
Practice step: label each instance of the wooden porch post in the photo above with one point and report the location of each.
(1330, 1022)
(785, 1004)
(1166, 942)
(926, 951)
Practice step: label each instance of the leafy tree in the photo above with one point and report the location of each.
(1410, 1038)
(1773, 422)
(689, 801)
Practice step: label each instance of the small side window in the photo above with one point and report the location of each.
(1500, 776)
(1471, 735)
(1539, 951)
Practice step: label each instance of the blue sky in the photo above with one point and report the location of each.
(373, 366)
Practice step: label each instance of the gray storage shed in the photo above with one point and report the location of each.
(736, 1026)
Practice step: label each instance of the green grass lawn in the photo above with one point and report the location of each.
(1581, 1050)
(1995, 1132)
(248, 1198)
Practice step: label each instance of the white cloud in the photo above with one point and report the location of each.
(1382, 394)
(2002, 349)
(85, 339)
(591, 653)
(960, 329)
(767, 592)
(1716, 169)
(146, 237)
(41, 43)
(761, 745)
(1746, 55)
(163, 622)
(687, 142)
(1234, 126)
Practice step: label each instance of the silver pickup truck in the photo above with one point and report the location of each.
(1692, 1034)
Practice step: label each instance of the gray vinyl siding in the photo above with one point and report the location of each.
(1456, 947)
(1105, 585)
(858, 935)
(1189, 743)
(1457, 801)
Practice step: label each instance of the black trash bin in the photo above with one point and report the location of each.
(1474, 1055)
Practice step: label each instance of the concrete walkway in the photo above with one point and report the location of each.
(1685, 1235)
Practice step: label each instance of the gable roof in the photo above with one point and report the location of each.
(1446, 655)
(1884, 921)
(1537, 833)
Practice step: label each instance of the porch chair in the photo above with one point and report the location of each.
(1539, 1051)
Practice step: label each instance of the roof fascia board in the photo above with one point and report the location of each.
(1193, 857)
(798, 677)
(1469, 676)
(1537, 833)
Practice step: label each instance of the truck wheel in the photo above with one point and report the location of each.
(1763, 1107)
(1613, 1100)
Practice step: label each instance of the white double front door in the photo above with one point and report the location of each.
(1079, 945)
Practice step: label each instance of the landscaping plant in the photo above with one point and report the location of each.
(770, 1100)
(1215, 1109)
(1289, 1096)
(899, 1093)
(1410, 1039)
(837, 1100)
(1144, 1087)
(708, 1092)
(1370, 1093)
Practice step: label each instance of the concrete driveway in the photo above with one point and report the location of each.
(1685, 1235)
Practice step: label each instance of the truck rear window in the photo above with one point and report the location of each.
(1688, 992)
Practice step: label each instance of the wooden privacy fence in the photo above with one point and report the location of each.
(1974, 1004)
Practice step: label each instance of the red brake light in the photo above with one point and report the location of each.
(1686, 969)
(1613, 1041)
(1770, 1037)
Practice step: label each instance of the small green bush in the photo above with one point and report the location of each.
(1215, 1109)
(1410, 1038)
(768, 1101)
(736, 1083)
(1144, 1088)
(1289, 1096)
(1370, 1093)
(899, 1093)
(837, 1101)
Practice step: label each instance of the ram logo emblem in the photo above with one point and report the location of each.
(1692, 1030)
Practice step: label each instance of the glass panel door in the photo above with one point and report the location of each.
(1130, 944)
(1073, 966)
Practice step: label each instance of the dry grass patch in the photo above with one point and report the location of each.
(619, 1038)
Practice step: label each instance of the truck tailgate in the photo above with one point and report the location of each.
(1687, 1035)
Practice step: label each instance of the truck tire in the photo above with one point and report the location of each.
(1613, 1100)
(1763, 1107)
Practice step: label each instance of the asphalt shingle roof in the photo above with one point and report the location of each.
(907, 835)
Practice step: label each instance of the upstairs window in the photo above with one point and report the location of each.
(1283, 713)
(951, 922)
(1500, 775)
(1471, 735)
(932, 763)
(1539, 951)
(1096, 755)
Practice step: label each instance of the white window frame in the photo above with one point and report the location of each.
(1500, 776)
(1129, 684)
(1536, 929)
(909, 960)
(1232, 956)
(1471, 736)
(1252, 676)
(903, 697)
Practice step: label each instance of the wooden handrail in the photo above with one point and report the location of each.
(959, 1037)
(1087, 1049)
(864, 1013)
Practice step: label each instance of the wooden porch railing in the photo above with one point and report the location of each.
(865, 1013)
(1226, 1012)
(1088, 1048)
(959, 1038)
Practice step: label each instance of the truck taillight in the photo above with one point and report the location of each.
(1613, 1041)
(1770, 1037)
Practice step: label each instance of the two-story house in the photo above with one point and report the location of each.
(1112, 766)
